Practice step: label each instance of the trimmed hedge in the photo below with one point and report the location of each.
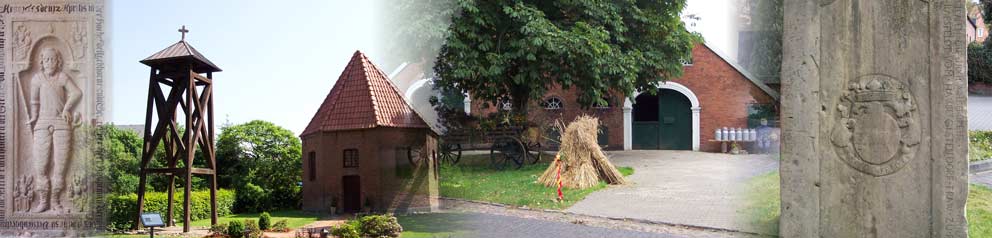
(123, 207)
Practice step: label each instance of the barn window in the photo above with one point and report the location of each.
(313, 165)
(351, 158)
(505, 104)
(553, 103)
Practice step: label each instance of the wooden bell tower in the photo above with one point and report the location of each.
(180, 86)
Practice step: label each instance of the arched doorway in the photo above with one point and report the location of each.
(662, 121)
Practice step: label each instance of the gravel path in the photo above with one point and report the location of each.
(680, 187)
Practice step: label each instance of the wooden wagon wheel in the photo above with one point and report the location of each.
(450, 152)
(414, 155)
(506, 150)
(535, 147)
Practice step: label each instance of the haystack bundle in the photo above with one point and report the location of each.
(583, 163)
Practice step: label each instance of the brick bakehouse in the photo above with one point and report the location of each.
(366, 148)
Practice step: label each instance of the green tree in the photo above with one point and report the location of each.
(516, 50)
(261, 154)
(765, 58)
(980, 62)
(120, 150)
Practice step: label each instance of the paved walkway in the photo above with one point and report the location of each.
(472, 224)
(979, 112)
(983, 178)
(680, 187)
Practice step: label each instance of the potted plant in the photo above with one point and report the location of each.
(334, 205)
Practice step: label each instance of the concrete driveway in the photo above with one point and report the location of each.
(979, 113)
(680, 187)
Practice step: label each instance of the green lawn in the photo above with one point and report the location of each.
(294, 218)
(762, 209)
(473, 179)
(979, 211)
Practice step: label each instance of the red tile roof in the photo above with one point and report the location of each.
(363, 97)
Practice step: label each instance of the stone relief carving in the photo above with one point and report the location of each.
(22, 41)
(78, 40)
(53, 97)
(877, 128)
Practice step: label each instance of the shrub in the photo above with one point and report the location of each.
(980, 146)
(236, 229)
(347, 230)
(380, 226)
(123, 208)
(250, 198)
(252, 230)
(264, 220)
(219, 229)
(280, 226)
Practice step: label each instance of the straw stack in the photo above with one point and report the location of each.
(583, 163)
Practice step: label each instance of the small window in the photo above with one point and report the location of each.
(980, 32)
(351, 158)
(505, 105)
(312, 161)
(686, 61)
(553, 103)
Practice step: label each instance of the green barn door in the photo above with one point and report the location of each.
(645, 124)
(675, 125)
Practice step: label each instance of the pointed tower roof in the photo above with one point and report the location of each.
(179, 53)
(363, 97)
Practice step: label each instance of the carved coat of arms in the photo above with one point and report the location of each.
(877, 129)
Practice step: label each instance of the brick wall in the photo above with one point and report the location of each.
(723, 95)
(377, 150)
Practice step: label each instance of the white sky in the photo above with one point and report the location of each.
(280, 58)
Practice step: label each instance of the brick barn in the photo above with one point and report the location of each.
(367, 148)
(712, 93)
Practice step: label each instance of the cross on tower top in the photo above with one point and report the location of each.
(183, 31)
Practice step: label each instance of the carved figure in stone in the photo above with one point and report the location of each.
(80, 185)
(22, 41)
(78, 40)
(53, 97)
(22, 194)
(877, 130)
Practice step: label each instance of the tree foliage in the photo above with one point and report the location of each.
(980, 62)
(767, 21)
(518, 49)
(262, 154)
(120, 150)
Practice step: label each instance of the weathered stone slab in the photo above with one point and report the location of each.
(51, 98)
(874, 119)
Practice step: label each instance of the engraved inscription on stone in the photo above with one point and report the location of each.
(877, 130)
(52, 60)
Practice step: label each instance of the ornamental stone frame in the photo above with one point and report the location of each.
(628, 119)
(51, 98)
(874, 140)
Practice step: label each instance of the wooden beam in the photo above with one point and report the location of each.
(202, 171)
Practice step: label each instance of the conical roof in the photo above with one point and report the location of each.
(363, 97)
(179, 53)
